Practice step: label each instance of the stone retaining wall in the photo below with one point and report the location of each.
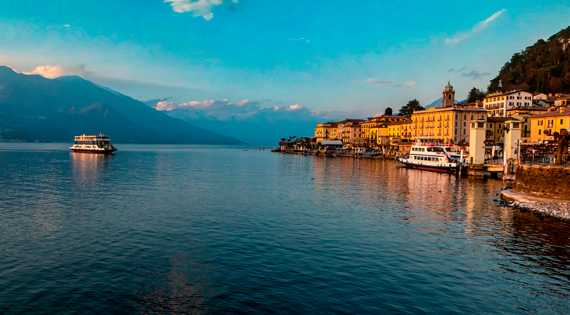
(546, 181)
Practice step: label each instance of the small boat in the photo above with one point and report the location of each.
(93, 144)
(430, 155)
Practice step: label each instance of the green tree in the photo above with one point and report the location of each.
(388, 111)
(408, 109)
(475, 95)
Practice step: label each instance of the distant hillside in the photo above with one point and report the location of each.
(542, 67)
(35, 108)
(439, 101)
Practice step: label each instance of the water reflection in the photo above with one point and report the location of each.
(227, 231)
(86, 164)
(183, 290)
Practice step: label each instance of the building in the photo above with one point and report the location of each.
(399, 130)
(523, 113)
(448, 124)
(543, 126)
(448, 99)
(349, 131)
(499, 103)
(495, 133)
(374, 127)
(326, 131)
(562, 100)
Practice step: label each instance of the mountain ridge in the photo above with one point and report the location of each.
(49, 109)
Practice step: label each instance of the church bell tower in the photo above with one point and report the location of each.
(448, 96)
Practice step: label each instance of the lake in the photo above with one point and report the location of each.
(218, 230)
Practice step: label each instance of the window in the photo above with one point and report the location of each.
(464, 116)
(464, 124)
(561, 121)
(471, 117)
(539, 132)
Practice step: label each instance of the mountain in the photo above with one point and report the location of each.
(438, 102)
(35, 108)
(542, 67)
(264, 128)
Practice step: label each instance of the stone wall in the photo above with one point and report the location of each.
(546, 181)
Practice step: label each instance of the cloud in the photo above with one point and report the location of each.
(409, 84)
(51, 72)
(164, 105)
(474, 74)
(201, 8)
(482, 25)
(248, 110)
(378, 82)
(478, 27)
(460, 70)
(295, 107)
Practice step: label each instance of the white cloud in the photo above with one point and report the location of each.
(67, 25)
(164, 105)
(482, 25)
(295, 107)
(201, 8)
(51, 72)
(409, 84)
(478, 27)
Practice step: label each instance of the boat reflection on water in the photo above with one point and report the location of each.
(89, 165)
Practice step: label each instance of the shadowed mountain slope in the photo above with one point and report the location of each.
(35, 108)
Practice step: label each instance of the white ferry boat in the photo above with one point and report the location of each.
(93, 144)
(431, 155)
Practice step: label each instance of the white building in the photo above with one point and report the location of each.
(499, 103)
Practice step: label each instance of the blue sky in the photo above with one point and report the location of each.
(355, 57)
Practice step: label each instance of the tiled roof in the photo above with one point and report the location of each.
(562, 111)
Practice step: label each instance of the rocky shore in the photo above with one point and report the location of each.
(559, 211)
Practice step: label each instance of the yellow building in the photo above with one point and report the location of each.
(378, 126)
(543, 126)
(495, 132)
(399, 130)
(450, 124)
(523, 114)
(326, 131)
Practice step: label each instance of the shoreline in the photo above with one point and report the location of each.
(553, 208)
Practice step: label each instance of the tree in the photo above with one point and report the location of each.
(408, 109)
(475, 95)
(388, 111)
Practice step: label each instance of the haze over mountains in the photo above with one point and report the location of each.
(35, 108)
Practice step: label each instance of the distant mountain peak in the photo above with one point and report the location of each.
(4, 70)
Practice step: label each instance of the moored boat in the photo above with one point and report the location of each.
(93, 144)
(430, 155)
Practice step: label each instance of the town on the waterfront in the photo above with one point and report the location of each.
(517, 135)
(541, 118)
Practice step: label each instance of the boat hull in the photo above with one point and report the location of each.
(431, 168)
(93, 151)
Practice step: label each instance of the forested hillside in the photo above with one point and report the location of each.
(542, 67)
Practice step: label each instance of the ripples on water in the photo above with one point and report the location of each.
(210, 230)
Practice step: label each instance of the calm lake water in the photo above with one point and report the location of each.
(217, 230)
